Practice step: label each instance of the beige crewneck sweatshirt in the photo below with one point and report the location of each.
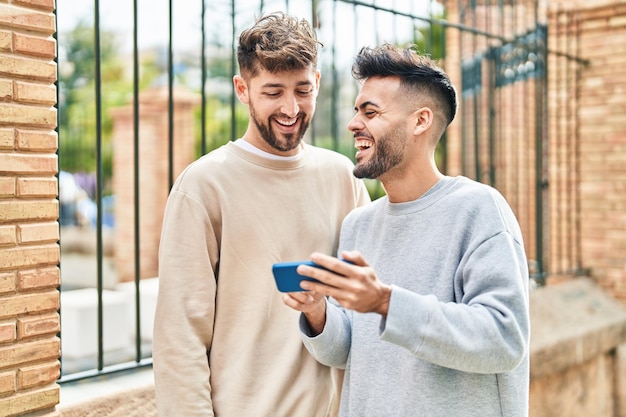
(224, 342)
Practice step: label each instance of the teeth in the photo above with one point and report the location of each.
(287, 122)
(363, 144)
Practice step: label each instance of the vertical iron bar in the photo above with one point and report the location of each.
(476, 133)
(487, 104)
(464, 168)
(578, 262)
(541, 148)
(98, 98)
(136, 182)
(475, 101)
(444, 139)
(514, 136)
(203, 81)
(491, 83)
(170, 86)
(334, 122)
(522, 136)
(569, 135)
(315, 25)
(430, 34)
(559, 189)
(233, 71)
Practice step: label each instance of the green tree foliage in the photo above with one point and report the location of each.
(77, 88)
(77, 104)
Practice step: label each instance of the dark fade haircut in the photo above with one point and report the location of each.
(277, 42)
(417, 72)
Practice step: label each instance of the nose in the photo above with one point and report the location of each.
(355, 123)
(290, 106)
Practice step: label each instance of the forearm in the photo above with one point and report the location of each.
(468, 338)
(316, 319)
(332, 345)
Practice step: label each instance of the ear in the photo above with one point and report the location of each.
(241, 89)
(423, 118)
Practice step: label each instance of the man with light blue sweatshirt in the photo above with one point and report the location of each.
(430, 315)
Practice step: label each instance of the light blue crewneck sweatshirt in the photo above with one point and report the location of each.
(455, 340)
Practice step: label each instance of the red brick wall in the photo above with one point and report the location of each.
(585, 154)
(511, 125)
(600, 97)
(29, 232)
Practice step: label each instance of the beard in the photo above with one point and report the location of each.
(389, 153)
(285, 142)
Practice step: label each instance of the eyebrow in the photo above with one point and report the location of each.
(365, 104)
(280, 85)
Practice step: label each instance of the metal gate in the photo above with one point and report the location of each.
(518, 128)
(495, 51)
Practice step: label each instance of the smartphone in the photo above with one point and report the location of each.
(287, 279)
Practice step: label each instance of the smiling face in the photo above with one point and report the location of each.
(380, 128)
(281, 106)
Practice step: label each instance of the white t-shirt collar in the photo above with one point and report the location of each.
(244, 144)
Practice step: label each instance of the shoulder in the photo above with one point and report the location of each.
(484, 205)
(365, 213)
(463, 186)
(474, 194)
(206, 169)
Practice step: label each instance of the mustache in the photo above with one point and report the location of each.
(284, 116)
(362, 134)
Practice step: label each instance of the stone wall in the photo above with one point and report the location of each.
(29, 232)
(600, 38)
(578, 342)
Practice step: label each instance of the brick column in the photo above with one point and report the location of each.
(29, 231)
(153, 174)
(602, 129)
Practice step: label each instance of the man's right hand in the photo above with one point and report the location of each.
(312, 305)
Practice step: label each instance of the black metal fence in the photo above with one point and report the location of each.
(113, 52)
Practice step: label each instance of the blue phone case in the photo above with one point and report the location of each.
(287, 279)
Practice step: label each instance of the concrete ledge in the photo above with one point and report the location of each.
(572, 323)
(136, 402)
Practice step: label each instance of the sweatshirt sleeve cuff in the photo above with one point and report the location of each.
(408, 312)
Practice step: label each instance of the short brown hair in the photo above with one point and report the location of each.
(277, 42)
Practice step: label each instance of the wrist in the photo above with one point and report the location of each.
(316, 319)
(383, 307)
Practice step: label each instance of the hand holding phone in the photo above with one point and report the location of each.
(288, 279)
